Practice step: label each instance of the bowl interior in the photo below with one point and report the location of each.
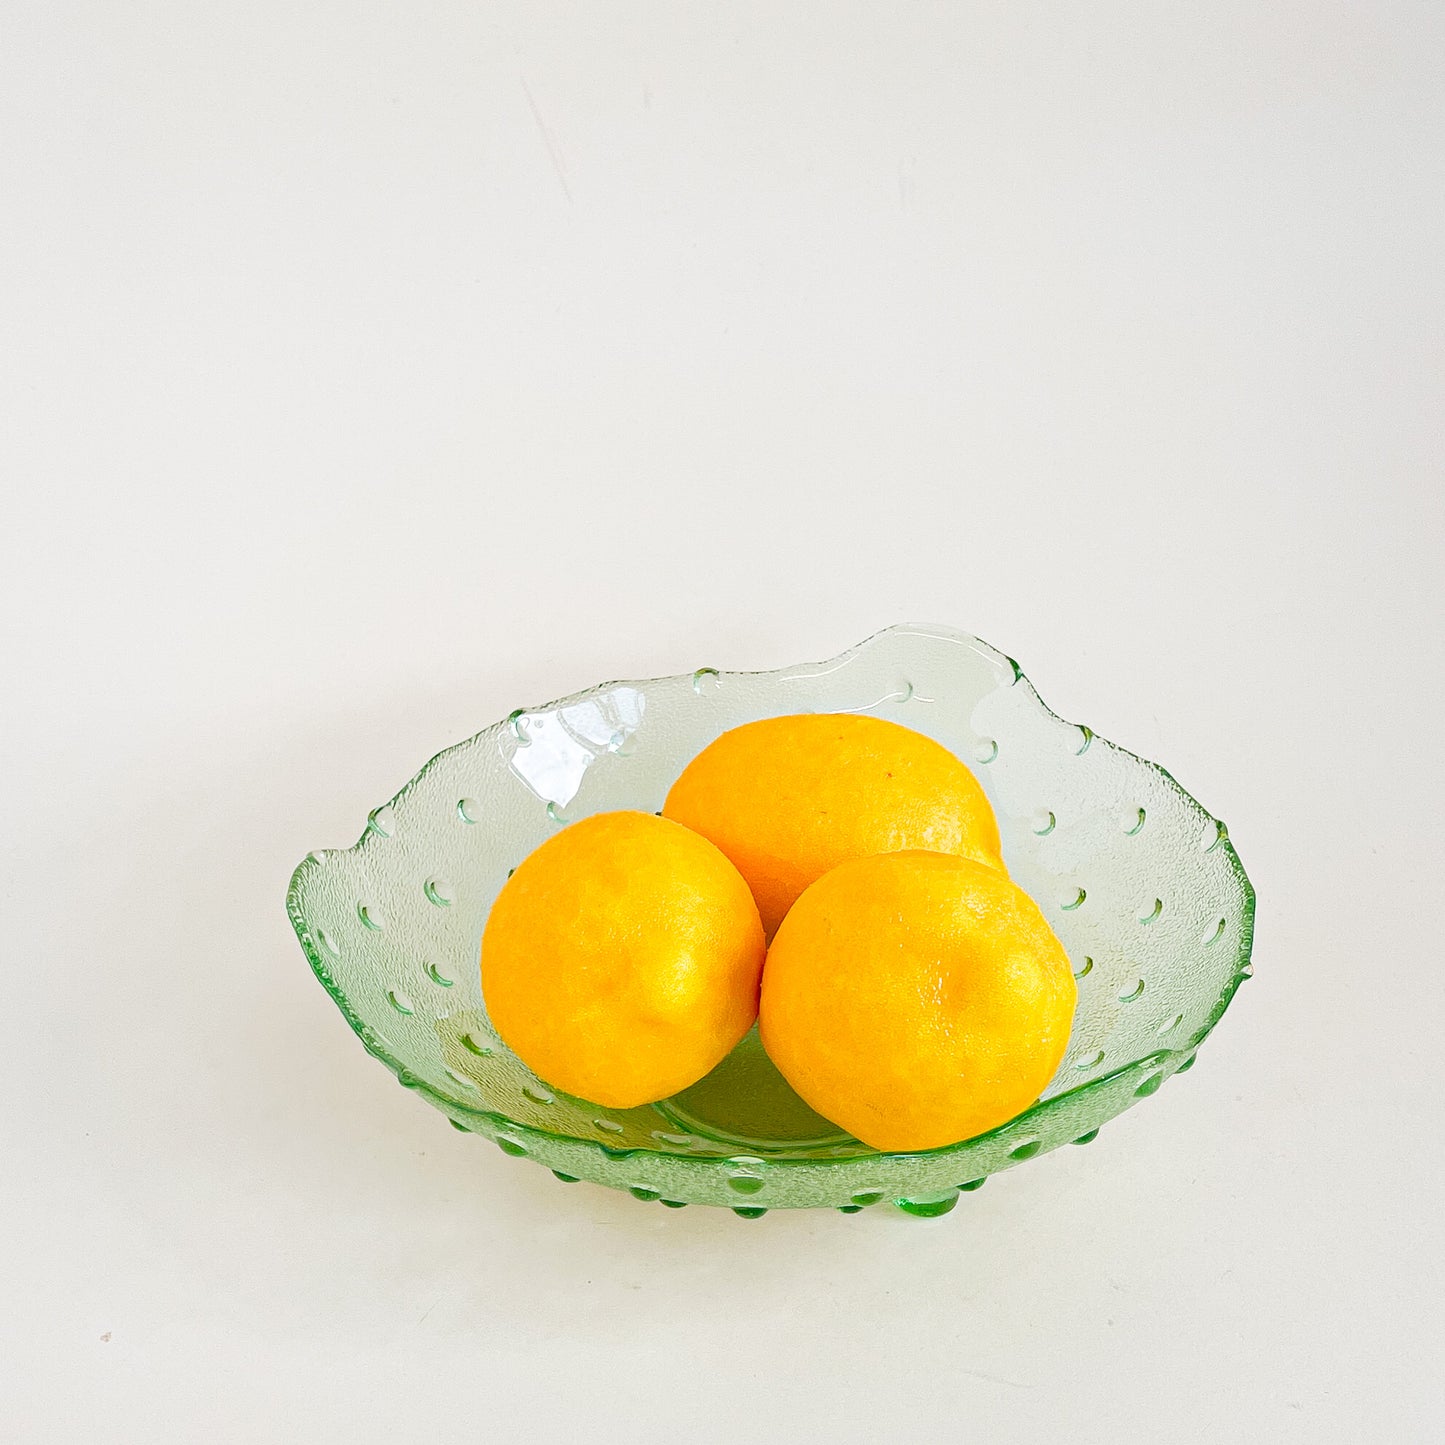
(1139, 882)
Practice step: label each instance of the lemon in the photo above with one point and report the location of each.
(916, 999)
(789, 798)
(620, 962)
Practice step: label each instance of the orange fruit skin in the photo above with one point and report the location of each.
(916, 999)
(620, 962)
(789, 798)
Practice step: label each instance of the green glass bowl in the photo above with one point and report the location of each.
(1139, 882)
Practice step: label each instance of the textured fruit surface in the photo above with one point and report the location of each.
(916, 999)
(789, 798)
(620, 962)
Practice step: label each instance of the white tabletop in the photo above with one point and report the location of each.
(370, 371)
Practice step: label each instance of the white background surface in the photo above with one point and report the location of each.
(371, 370)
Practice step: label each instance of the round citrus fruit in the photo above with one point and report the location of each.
(788, 798)
(916, 999)
(620, 962)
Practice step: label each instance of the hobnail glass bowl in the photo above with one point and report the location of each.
(1140, 883)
